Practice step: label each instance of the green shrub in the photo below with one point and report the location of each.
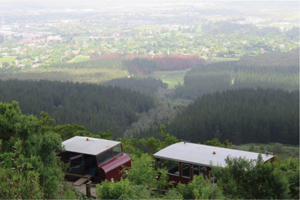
(114, 190)
(199, 188)
(277, 149)
(252, 180)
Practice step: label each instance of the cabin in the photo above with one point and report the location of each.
(184, 160)
(97, 159)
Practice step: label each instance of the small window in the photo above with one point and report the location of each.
(170, 165)
(199, 170)
(117, 150)
(203, 170)
(196, 170)
(186, 170)
(105, 156)
(67, 155)
(76, 160)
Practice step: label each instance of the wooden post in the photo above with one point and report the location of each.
(88, 189)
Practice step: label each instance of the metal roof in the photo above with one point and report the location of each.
(91, 146)
(203, 154)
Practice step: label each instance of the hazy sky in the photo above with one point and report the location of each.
(98, 4)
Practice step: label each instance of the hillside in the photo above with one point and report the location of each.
(88, 71)
(30, 167)
(274, 70)
(147, 86)
(98, 108)
(280, 59)
(241, 116)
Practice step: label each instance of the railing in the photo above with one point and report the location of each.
(88, 187)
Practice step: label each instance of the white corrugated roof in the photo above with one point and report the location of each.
(92, 146)
(203, 154)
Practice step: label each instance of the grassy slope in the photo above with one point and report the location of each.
(79, 59)
(7, 59)
(219, 59)
(73, 75)
(172, 78)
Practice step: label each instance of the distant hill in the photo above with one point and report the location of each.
(147, 65)
(147, 86)
(274, 59)
(88, 71)
(274, 70)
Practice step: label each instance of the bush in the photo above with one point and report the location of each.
(252, 180)
(251, 148)
(277, 149)
(122, 189)
(199, 188)
(112, 190)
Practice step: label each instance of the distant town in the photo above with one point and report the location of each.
(35, 38)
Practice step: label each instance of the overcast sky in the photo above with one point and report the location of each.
(95, 4)
(99, 2)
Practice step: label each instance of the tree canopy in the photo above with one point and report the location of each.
(272, 70)
(29, 166)
(241, 116)
(98, 108)
(31, 170)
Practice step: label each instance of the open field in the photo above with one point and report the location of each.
(7, 59)
(72, 75)
(172, 78)
(219, 59)
(79, 59)
(282, 150)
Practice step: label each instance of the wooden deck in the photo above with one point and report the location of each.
(83, 180)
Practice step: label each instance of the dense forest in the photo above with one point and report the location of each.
(275, 70)
(30, 169)
(147, 86)
(236, 101)
(99, 108)
(137, 64)
(93, 71)
(241, 116)
(145, 66)
(274, 59)
(229, 27)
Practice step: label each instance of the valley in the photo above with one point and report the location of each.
(148, 75)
